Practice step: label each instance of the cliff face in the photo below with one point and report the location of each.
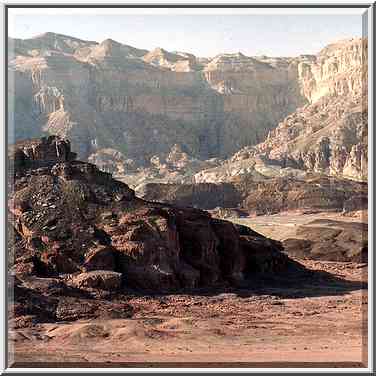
(339, 69)
(328, 135)
(110, 95)
(113, 96)
(256, 94)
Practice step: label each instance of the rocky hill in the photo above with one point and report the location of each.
(113, 96)
(76, 232)
(330, 240)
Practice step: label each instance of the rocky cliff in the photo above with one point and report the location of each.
(339, 69)
(110, 95)
(269, 195)
(138, 104)
(329, 134)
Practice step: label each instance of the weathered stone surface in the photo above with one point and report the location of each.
(339, 69)
(244, 195)
(100, 257)
(98, 279)
(330, 240)
(75, 218)
(108, 98)
(232, 259)
(201, 195)
(40, 153)
(314, 192)
(259, 261)
(321, 138)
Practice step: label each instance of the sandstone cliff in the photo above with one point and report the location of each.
(139, 104)
(328, 135)
(110, 95)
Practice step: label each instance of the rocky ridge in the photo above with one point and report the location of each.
(270, 195)
(330, 240)
(112, 96)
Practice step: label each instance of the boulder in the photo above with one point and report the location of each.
(100, 257)
(98, 279)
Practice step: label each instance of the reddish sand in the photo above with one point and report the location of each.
(311, 325)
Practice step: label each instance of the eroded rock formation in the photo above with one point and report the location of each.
(329, 134)
(267, 195)
(110, 96)
(202, 195)
(80, 232)
(316, 192)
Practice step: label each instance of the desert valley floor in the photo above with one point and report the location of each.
(317, 321)
(168, 209)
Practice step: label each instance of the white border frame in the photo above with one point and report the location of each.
(267, 4)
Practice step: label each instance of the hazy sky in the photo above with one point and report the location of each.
(202, 35)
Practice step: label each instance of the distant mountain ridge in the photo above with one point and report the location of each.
(141, 103)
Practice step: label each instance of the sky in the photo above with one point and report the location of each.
(201, 34)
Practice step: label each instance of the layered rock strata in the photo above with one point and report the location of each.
(110, 95)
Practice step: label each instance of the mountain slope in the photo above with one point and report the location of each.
(328, 135)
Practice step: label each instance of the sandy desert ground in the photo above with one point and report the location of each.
(308, 322)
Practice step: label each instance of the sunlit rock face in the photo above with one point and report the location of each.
(339, 69)
(327, 135)
(110, 95)
(141, 103)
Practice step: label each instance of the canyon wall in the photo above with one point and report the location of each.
(330, 134)
(141, 103)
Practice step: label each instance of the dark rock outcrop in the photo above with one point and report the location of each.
(316, 192)
(38, 153)
(98, 279)
(89, 234)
